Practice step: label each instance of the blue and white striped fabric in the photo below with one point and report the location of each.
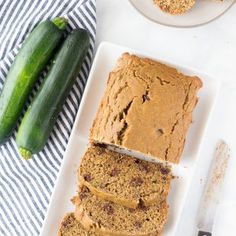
(26, 186)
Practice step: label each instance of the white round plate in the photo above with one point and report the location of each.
(203, 12)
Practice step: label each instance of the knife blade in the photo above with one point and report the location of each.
(211, 195)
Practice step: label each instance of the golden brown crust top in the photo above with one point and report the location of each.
(147, 107)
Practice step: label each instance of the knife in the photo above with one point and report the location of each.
(211, 194)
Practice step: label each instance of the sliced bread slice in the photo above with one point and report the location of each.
(123, 179)
(108, 218)
(70, 226)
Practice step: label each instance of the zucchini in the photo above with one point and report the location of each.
(35, 52)
(42, 114)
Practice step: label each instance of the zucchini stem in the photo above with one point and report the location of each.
(26, 154)
(60, 22)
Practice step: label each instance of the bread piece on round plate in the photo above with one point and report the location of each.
(175, 7)
(108, 218)
(70, 226)
(123, 179)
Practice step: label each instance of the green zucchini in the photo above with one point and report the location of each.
(35, 52)
(42, 114)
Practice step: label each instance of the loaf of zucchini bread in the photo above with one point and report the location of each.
(147, 107)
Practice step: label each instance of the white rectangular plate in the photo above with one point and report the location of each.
(66, 183)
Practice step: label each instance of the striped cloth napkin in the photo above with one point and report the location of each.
(26, 186)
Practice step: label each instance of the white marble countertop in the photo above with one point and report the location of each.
(210, 48)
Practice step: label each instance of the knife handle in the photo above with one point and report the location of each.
(202, 233)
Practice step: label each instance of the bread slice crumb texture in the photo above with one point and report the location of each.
(70, 226)
(113, 219)
(124, 179)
